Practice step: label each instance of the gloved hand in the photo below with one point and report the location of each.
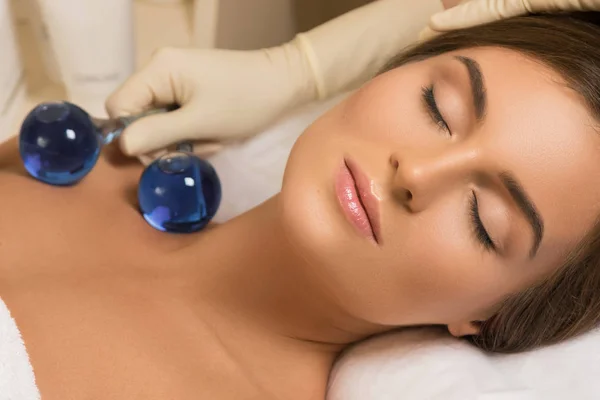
(477, 12)
(222, 94)
(230, 94)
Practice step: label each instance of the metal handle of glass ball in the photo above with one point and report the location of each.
(60, 143)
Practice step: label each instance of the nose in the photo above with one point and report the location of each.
(420, 179)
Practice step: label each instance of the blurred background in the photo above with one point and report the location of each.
(82, 50)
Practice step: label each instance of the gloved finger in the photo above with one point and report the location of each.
(147, 159)
(477, 12)
(160, 130)
(427, 33)
(150, 87)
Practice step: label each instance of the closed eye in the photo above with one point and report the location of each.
(481, 234)
(430, 103)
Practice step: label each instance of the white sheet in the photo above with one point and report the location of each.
(428, 364)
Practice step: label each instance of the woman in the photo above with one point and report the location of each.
(461, 187)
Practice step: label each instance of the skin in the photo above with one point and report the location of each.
(110, 308)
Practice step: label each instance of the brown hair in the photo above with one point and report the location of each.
(567, 303)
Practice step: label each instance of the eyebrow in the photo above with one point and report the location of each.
(477, 85)
(527, 207)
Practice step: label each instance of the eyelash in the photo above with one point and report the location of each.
(428, 96)
(478, 229)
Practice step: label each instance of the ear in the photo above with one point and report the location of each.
(465, 328)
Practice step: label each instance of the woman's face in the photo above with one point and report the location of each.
(442, 186)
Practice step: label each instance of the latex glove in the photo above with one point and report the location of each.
(477, 12)
(222, 94)
(230, 94)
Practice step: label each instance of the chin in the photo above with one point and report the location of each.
(333, 261)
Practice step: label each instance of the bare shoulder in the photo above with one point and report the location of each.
(85, 278)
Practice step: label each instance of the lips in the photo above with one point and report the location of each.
(358, 202)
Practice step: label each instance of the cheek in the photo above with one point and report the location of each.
(445, 274)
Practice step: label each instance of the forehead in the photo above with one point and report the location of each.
(541, 130)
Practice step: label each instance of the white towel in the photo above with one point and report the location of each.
(17, 381)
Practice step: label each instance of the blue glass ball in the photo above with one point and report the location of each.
(179, 193)
(59, 143)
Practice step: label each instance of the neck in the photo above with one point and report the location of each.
(253, 271)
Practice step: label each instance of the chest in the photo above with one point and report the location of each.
(109, 339)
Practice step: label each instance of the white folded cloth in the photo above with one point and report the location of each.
(17, 381)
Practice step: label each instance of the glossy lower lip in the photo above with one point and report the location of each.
(358, 203)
